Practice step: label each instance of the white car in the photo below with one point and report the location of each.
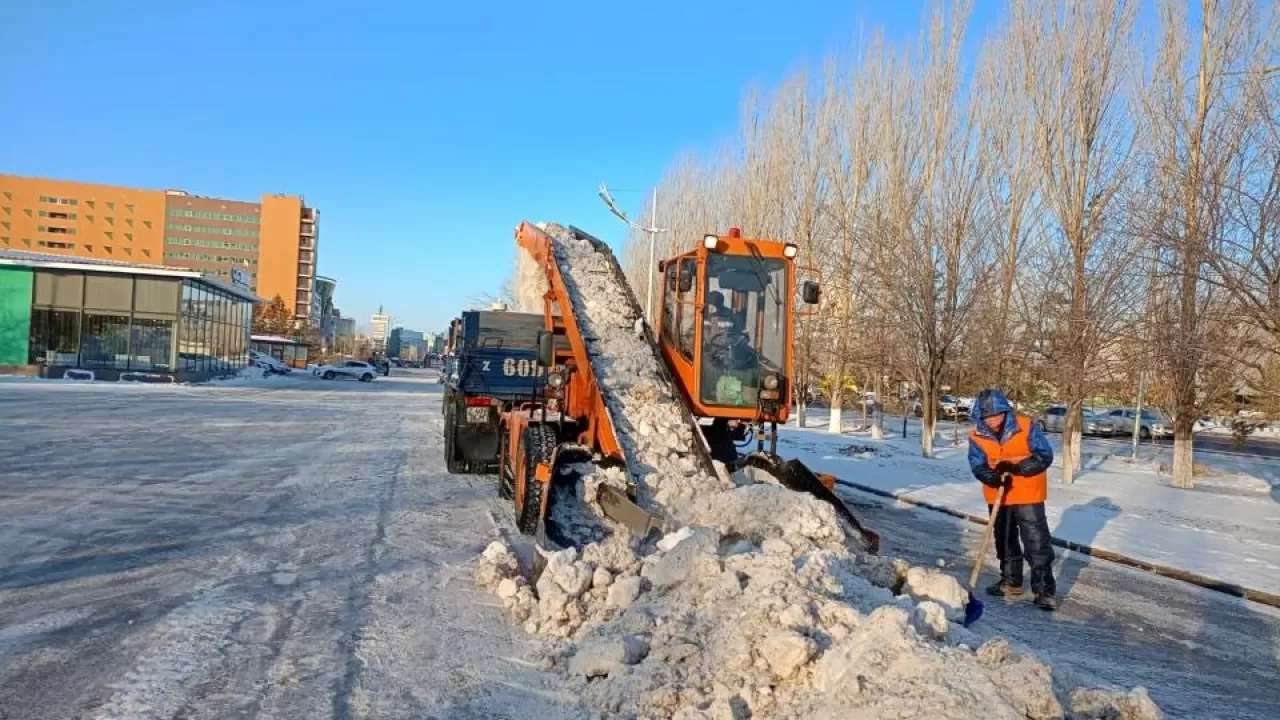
(362, 371)
(268, 363)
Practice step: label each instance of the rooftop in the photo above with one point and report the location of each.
(23, 258)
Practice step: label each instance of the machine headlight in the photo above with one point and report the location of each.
(555, 380)
(710, 242)
(790, 251)
(770, 382)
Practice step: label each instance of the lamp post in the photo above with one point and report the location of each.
(652, 230)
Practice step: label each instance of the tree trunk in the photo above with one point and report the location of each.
(1183, 454)
(1071, 438)
(929, 416)
(834, 424)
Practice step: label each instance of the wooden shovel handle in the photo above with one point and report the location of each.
(986, 534)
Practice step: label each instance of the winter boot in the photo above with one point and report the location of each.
(1045, 601)
(1005, 589)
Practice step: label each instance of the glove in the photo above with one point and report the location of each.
(992, 480)
(1007, 467)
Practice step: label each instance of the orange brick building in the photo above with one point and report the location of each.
(271, 244)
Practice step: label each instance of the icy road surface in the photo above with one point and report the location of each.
(288, 548)
(1202, 654)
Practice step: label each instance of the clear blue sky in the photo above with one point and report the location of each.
(422, 131)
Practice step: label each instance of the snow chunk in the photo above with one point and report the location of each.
(1098, 704)
(929, 584)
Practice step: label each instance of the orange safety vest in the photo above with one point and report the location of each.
(1025, 490)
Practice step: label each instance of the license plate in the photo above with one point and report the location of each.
(477, 414)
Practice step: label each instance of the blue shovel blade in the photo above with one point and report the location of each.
(972, 610)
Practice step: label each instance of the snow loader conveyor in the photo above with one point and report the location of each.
(611, 397)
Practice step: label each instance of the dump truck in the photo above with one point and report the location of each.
(491, 367)
(723, 347)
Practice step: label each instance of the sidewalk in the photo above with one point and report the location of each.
(1227, 528)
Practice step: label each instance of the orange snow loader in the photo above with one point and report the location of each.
(724, 340)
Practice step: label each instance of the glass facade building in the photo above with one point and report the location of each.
(111, 320)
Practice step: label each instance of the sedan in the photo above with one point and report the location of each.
(362, 371)
(1155, 423)
(1055, 418)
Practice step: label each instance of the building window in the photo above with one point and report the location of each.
(91, 203)
(53, 244)
(201, 215)
(151, 344)
(110, 235)
(6, 210)
(4, 224)
(111, 206)
(8, 195)
(146, 252)
(129, 208)
(111, 220)
(128, 236)
(104, 342)
(55, 337)
(146, 223)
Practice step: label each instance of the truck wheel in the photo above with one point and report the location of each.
(539, 445)
(328, 375)
(451, 461)
(506, 483)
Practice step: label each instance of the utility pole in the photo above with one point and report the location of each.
(652, 230)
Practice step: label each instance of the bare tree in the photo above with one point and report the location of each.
(1077, 56)
(1196, 117)
(935, 252)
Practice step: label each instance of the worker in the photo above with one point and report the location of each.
(1007, 449)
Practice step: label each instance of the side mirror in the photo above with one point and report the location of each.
(662, 266)
(810, 292)
(546, 348)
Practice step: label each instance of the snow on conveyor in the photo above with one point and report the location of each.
(754, 607)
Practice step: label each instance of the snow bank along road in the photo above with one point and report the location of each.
(289, 548)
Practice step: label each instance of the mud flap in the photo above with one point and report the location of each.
(795, 475)
(620, 509)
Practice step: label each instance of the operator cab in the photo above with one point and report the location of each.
(726, 320)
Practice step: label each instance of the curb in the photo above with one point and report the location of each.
(1208, 583)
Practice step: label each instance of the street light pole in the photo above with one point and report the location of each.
(652, 230)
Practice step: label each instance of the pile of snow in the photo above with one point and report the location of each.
(755, 603)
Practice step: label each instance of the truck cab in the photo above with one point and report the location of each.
(492, 367)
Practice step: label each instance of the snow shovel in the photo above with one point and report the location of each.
(974, 607)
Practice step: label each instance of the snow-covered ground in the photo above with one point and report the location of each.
(1227, 529)
(292, 548)
(282, 548)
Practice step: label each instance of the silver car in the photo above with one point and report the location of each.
(1055, 419)
(1155, 423)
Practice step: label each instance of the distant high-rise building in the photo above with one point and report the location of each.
(380, 325)
(323, 309)
(344, 329)
(268, 247)
(406, 344)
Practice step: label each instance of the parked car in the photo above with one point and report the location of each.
(271, 365)
(1055, 417)
(362, 371)
(1155, 423)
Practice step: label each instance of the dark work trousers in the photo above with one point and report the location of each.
(1029, 522)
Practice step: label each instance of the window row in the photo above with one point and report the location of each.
(202, 215)
(212, 230)
(57, 215)
(68, 338)
(58, 201)
(221, 244)
(55, 244)
(209, 258)
(55, 230)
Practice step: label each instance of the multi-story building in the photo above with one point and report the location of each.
(379, 329)
(322, 308)
(345, 329)
(273, 241)
(406, 344)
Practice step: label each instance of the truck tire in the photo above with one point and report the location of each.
(451, 461)
(539, 445)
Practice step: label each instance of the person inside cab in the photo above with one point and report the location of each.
(729, 362)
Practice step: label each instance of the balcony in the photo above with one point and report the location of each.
(308, 230)
(306, 256)
(308, 215)
(307, 243)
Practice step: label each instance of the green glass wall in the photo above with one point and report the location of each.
(15, 315)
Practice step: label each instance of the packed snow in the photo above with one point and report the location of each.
(1226, 529)
(754, 603)
(283, 547)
